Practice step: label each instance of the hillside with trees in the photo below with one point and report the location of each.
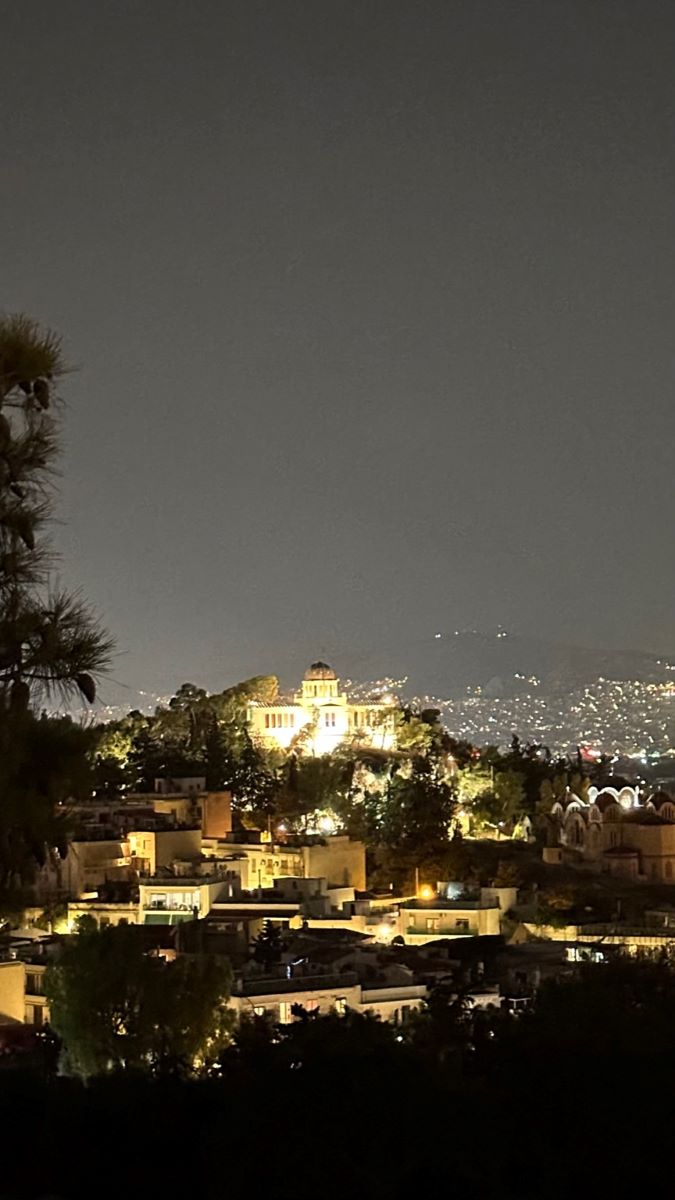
(412, 805)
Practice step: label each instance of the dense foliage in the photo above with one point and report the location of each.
(196, 734)
(348, 1104)
(115, 1007)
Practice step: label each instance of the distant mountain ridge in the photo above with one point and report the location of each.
(450, 666)
(505, 664)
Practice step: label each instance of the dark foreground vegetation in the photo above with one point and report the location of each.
(571, 1098)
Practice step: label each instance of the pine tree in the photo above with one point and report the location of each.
(50, 644)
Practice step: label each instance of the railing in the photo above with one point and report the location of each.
(302, 983)
(177, 881)
(454, 932)
(438, 905)
(647, 931)
(394, 991)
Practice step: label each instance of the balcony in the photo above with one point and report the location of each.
(436, 904)
(393, 992)
(449, 932)
(163, 878)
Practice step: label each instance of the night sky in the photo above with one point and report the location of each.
(372, 305)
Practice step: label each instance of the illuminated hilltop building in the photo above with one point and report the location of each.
(321, 716)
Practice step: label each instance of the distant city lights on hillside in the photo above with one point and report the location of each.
(632, 718)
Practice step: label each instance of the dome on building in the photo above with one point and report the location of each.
(570, 798)
(320, 670)
(606, 798)
(657, 799)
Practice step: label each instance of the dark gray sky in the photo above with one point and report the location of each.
(373, 303)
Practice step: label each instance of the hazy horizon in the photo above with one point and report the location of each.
(372, 309)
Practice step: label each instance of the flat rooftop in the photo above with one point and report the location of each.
(438, 904)
(301, 983)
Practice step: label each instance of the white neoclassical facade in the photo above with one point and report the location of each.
(320, 717)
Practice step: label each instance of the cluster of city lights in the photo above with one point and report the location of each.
(626, 717)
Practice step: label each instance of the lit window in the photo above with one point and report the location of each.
(340, 1005)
